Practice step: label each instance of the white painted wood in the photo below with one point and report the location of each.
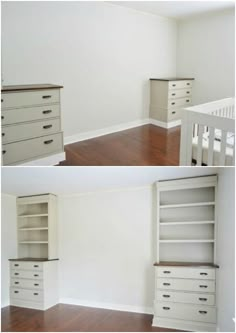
(36, 266)
(180, 84)
(17, 273)
(208, 118)
(186, 272)
(25, 294)
(186, 325)
(207, 286)
(185, 297)
(26, 283)
(51, 160)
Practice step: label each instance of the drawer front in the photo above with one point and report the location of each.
(22, 115)
(171, 296)
(26, 294)
(30, 130)
(27, 98)
(30, 149)
(35, 266)
(179, 93)
(205, 313)
(180, 84)
(186, 272)
(174, 114)
(173, 103)
(27, 274)
(206, 286)
(27, 284)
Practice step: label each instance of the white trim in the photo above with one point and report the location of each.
(163, 124)
(104, 131)
(109, 306)
(46, 161)
(3, 305)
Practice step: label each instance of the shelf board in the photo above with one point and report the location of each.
(186, 223)
(183, 263)
(195, 204)
(39, 228)
(32, 215)
(187, 241)
(33, 242)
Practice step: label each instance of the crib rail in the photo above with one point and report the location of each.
(201, 121)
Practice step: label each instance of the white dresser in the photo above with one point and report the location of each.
(34, 274)
(185, 268)
(34, 284)
(31, 125)
(167, 97)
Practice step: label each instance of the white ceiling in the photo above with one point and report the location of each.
(176, 9)
(63, 180)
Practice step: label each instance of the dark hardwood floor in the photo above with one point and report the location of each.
(144, 145)
(73, 318)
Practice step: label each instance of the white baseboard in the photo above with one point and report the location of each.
(163, 124)
(46, 161)
(104, 131)
(108, 306)
(3, 305)
(118, 128)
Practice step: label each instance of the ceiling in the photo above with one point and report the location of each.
(71, 180)
(176, 9)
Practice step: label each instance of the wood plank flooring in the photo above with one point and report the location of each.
(144, 145)
(73, 318)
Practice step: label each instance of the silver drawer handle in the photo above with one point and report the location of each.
(48, 142)
(167, 272)
(203, 286)
(46, 127)
(203, 273)
(202, 299)
(166, 284)
(166, 308)
(47, 111)
(203, 312)
(46, 96)
(166, 296)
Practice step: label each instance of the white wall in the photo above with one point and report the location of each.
(8, 243)
(226, 250)
(103, 54)
(106, 249)
(206, 52)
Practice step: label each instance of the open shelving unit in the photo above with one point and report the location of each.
(186, 220)
(37, 226)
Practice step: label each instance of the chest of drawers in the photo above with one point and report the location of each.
(31, 123)
(167, 97)
(185, 298)
(33, 284)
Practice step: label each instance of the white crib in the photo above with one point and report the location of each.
(207, 134)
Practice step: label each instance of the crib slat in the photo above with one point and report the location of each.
(223, 148)
(211, 146)
(199, 146)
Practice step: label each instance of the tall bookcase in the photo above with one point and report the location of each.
(37, 226)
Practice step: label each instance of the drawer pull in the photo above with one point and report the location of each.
(1, 100)
(4, 152)
(16, 265)
(46, 96)
(202, 299)
(173, 94)
(173, 85)
(36, 284)
(188, 92)
(166, 308)
(203, 273)
(36, 265)
(16, 292)
(173, 112)
(203, 286)
(187, 100)
(46, 127)
(203, 312)
(47, 111)
(35, 294)
(2, 117)
(166, 296)
(173, 103)
(166, 284)
(48, 142)
(16, 273)
(3, 134)
(188, 84)
(167, 272)
(16, 282)
(36, 275)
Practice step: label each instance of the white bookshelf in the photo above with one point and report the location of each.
(37, 226)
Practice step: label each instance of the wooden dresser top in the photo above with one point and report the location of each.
(185, 264)
(25, 87)
(172, 79)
